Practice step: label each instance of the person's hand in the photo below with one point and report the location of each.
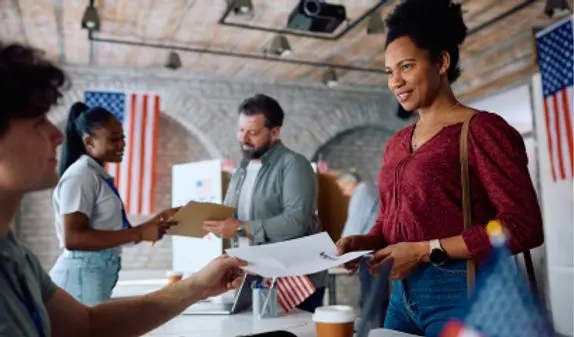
(225, 228)
(166, 214)
(356, 242)
(405, 256)
(220, 275)
(155, 228)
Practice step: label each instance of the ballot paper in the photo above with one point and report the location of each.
(303, 256)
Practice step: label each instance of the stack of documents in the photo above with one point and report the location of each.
(303, 256)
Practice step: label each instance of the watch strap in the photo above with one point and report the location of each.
(434, 244)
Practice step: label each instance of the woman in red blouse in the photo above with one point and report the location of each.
(420, 184)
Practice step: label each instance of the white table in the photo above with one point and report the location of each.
(299, 323)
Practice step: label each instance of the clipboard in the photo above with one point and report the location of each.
(191, 216)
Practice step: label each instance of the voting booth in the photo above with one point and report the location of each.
(203, 181)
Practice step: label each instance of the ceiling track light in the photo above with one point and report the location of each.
(330, 78)
(173, 61)
(557, 8)
(91, 19)
(279, 46)
(240, 7)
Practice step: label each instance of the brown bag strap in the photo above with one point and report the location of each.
(466, 207)
(466, 210)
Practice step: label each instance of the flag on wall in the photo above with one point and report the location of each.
(135, 175)
(503, 303)
(293, 290)
(556, 61)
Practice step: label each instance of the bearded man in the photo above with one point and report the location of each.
(274, 191)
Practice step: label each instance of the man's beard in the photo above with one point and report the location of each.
(256, 152)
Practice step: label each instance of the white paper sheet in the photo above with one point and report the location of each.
(303, 256)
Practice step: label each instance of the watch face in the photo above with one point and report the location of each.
(438, 256)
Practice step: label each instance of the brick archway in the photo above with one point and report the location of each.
(360, 148)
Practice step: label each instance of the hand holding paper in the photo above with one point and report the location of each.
(303, 256)
(223, 228)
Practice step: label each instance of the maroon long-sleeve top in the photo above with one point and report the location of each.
(421, 191)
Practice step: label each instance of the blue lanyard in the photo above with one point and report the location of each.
(28, 301)
(125, 221)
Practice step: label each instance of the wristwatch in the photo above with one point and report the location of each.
(437, 255)
(240, 230)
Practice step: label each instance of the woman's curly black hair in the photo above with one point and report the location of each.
(29, 84)
(433, 25)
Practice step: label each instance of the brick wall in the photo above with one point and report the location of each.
(360, 149)
(198, 122)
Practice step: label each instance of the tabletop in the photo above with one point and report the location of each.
(245, 323)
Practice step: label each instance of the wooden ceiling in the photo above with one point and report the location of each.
(494, 57)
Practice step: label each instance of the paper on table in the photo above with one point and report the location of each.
(303, 256)
(191, 216)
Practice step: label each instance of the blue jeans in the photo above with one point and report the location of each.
(367, 281)
(89, 277)
(427, 299)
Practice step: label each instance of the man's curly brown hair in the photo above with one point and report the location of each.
(29, 83)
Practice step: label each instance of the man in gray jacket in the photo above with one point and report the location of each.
(274, 189)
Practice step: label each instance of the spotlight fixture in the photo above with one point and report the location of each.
(375, 25)
(557, 8)
(173, 61)
(330, 78)
(316, 16)
(91, 19)
(241, 7)
(279, 46)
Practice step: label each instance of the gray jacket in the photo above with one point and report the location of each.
(284, 201)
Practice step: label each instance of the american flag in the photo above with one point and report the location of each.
(556, 60)
(293, 290)
(503, 303)
(203, 190)
(135, 175)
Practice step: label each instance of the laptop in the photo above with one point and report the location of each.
(241, 302)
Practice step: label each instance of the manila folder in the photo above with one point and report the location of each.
(191, 216)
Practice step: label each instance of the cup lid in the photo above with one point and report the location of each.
(334, 314)
(173, 273)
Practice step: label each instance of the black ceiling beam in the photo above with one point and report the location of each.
(328, 37)
(91, 37)
(484, 25)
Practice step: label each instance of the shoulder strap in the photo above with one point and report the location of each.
(466, 207)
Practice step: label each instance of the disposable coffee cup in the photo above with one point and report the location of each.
(334, 321)
(173, 277)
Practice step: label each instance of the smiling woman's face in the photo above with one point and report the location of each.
(412, 77)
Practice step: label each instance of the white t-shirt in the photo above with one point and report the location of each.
(83, 189)
(246, 196)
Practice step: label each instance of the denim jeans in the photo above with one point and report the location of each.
(367, 281)
(427, 299)
(89, 277)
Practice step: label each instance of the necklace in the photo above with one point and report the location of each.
(414, 142)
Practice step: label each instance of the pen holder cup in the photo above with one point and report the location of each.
(260, 299)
